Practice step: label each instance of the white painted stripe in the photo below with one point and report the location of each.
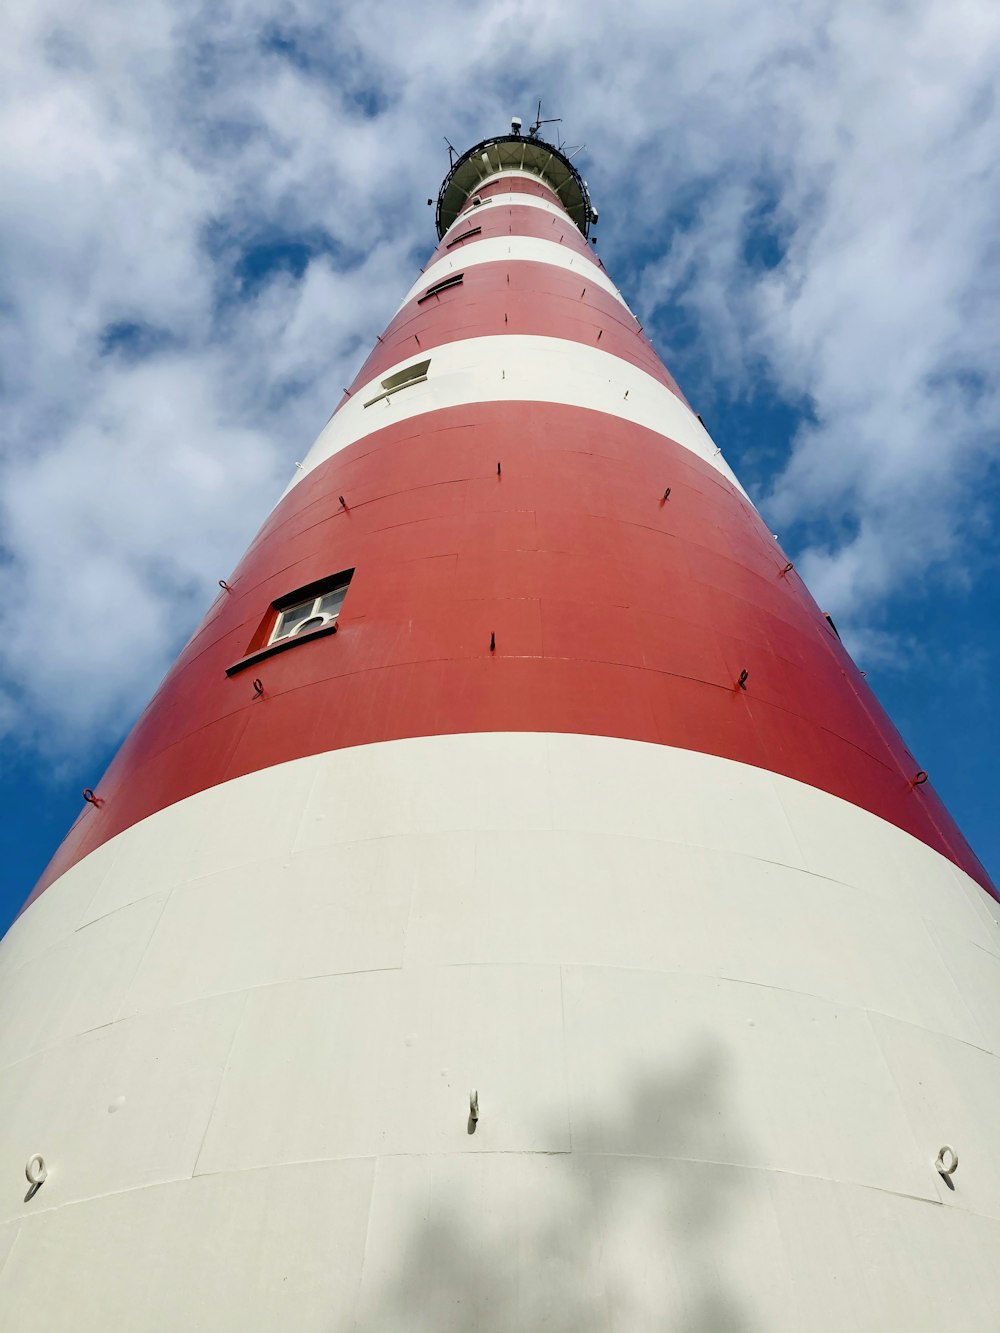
(512, 171)
(519, 367)
(716, 975)
(496, 249)
(471, 214)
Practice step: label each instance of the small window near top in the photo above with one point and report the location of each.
(464, 236)
(435, 288)
(401, 379)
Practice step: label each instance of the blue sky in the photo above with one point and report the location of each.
(208, 217)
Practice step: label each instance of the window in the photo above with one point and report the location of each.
(451, 281)
(402, 379)
(473, 231)
(311, 614)
(307, 613)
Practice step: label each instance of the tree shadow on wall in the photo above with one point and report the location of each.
(624, 1233)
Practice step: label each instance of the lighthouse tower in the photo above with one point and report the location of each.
(513, 910)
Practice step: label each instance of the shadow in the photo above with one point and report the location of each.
(628, 1231)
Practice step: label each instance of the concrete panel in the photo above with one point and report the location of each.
(220, 830)
(115, 1109)
(57, 913)
(77, 984)
(951, 1092)
(341, 908)
(843, 842)
(585, 1244)
(753, 1076)
(591, 898)
(637, 790)
(259, 1250)
(862, 1259)
(8, 1235)
(429, 785)
(384, 1062)
(976, 974)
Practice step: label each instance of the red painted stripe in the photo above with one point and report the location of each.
(516, 296)
(514, 220)
(615, 613)
(518, 185)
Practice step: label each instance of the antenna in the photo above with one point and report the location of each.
(539, 122)
(452, 150)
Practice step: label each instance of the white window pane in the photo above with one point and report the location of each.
(331, 603)
(291, 618)
(313, 622)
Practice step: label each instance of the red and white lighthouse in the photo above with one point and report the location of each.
(513, 910)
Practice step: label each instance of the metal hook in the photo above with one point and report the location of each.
(787, 570)
(258, 686)
(222, 582)
(946, 1161)
(919, 779)
(36, 1171)
(474, 1104)
(666, 494)
(742, 682)
(88, 795)
(493, 641)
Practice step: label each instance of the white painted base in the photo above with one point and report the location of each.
(720, 1024)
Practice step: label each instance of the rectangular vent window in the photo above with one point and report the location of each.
(473, 231)
(402, 379)
(442, 286)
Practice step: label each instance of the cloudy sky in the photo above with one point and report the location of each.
(208, 212)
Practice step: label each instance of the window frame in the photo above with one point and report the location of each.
(263, 644)
(415, 373)
(465, 235)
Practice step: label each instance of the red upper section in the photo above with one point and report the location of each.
(615, 612)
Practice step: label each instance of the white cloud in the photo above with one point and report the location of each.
(144, 155)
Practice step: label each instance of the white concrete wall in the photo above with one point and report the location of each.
(720, 1024)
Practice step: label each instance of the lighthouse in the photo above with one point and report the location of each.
(513, 910)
